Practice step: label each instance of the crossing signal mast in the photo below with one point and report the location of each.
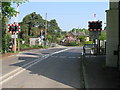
(95, 28)
(14, 29)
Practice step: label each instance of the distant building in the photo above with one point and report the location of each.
(35, 41)
(72, 36)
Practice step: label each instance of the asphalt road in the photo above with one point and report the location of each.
(9, 63)
(58, 70)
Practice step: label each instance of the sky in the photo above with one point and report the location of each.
(67, 14)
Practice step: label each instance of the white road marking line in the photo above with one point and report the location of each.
(26, 66)
(17, 69)
(28, 55)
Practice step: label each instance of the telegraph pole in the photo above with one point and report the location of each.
(45, 28)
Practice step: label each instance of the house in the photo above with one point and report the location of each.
(72, 36)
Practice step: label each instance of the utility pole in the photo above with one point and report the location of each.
(45, 28)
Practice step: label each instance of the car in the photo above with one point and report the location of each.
(89, 49)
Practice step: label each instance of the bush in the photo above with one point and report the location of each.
(23, 46)
(34, 46)
(0, 51)
(89, 42)
(42, 46)
(72, 44)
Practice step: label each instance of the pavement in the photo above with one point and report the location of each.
(97, 75)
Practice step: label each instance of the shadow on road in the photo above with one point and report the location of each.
(62, 68)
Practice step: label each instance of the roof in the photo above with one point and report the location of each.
(78, 34)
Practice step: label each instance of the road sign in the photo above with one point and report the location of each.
(94, 34)
(95, 25)
(14, 36)
(14, 28)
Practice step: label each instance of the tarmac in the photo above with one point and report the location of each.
(97, 75)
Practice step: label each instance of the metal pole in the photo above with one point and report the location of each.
(16, 22)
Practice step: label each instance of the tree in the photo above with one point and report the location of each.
(7, 13)
(33, 23)
(81, 38)
(54, 30)
(103, 35)
(64, 33)
(18, 2)
(80, 30)
(30, 26)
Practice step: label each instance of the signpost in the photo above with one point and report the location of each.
(94, 34)
(14, 36)
(95, 28)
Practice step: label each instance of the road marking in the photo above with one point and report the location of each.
(64, 57)
(28, 55)
(19, 70)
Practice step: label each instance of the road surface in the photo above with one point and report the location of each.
(52, 68)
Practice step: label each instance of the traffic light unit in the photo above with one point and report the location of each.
(14, 28)
(95, 26)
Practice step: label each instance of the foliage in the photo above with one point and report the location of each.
(18, 2)
(74, 43)
(23, 46)
(81, 38)
(34, 46)
(89, 42)
(30, 26)
(103, 35)
(31, 23)
(7, 13)
(49, 38)
(42, 46)
(54, 30)
(64, 33)
(7, 10)
(80, 30)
